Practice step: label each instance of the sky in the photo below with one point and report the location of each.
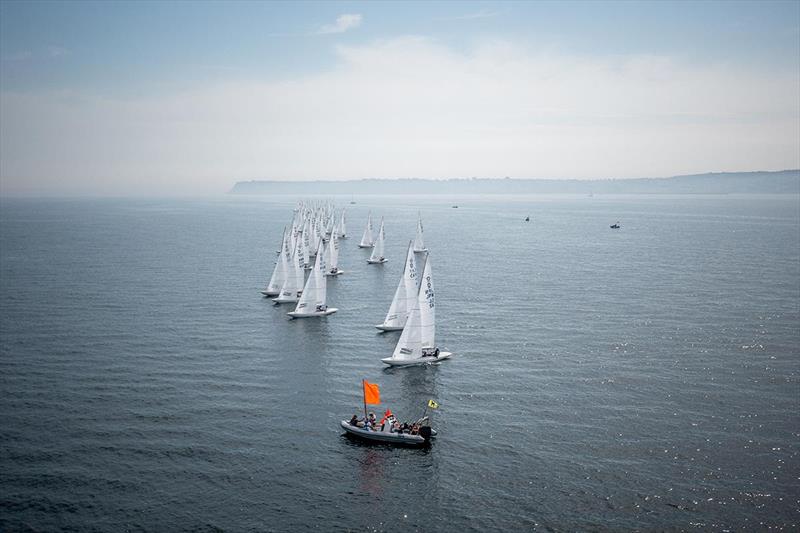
(130, 98)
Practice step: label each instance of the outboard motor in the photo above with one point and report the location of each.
(425, 433)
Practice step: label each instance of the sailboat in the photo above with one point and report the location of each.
(404, 296)
(295, 277)
(419, 242)
(278, 273)
(417, 344)
(312, 301)
(332, 255)
(342, 227)
(377, 251)
(366, 240)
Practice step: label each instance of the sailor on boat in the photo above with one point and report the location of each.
(430, 352)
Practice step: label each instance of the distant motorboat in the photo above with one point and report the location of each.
(527, 219)
(455, 207)
(615, 226)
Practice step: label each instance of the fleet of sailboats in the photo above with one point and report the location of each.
(309, 255)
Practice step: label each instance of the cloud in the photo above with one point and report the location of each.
(410, 108)
(343, 23)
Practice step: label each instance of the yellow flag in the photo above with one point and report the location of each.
(432, 404)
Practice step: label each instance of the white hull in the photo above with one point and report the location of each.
(366, 246)
(328, 311)
(270, 293)
(284, 300)
(420, 251)
(338, 272)
(377, 261)
(421, 361)
(384, 327)
(383, 436)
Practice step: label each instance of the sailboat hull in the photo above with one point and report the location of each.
(411, 362)
(422, 250)
(328, 311)
(384, 327)
(338, 272)
(366, 246)
(270, 293)
(284, 300)
(377, 261)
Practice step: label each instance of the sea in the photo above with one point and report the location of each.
(639, 379)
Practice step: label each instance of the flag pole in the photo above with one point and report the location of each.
(364, 396)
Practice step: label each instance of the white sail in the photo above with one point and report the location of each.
(366, 240)
(404, 296)
(306, 245)
(294, 274)
(278, 273)
(342, 227)
(377, 255)
(419, 241)
(409, 345)
(315, 291)
(427, 309)
(332, 254)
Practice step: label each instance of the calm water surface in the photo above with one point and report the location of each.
(645, 378)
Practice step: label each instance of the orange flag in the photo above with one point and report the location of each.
(372, 394)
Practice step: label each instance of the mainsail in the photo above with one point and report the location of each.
(377, 251)
(405, 295)
(366, 239)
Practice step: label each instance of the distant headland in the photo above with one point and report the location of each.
(779, 182)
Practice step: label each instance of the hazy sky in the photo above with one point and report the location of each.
(164, 98)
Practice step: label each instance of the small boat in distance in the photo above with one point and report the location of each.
(527, 219)
(279, 273)
(455, 207)
(367, 241)
(377, 256)
(419, 241)
(295, 276)
(615, 226)
(332, 255)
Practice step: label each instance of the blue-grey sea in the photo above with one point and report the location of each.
(646, 378)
